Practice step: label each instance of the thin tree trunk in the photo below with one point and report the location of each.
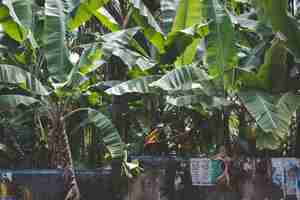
(62, 158)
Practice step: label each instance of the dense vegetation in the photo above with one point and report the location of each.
(85, 82)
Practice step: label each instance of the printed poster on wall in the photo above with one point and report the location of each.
(204, 171)
(200, 171)
(286, 174)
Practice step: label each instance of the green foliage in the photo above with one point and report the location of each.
(86, 9)
(12, 101)
(183, 78)
(271, 115)
(117, 43)
(188, 14)
(168, 12)
(179, 44)
(220, 54)
(139, 85)
(11, 23)
(276, 13)
(151, 29)
(106, 131)
(59, 65)
(185, 67)
(207, 102)
(272, 73)
(10, 74)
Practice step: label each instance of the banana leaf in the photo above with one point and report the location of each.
(220, 54)
(144, 18)
(10, 74)
(139, 85)
(188, 14)
(59, 65)
(271, 115)
(12, 101)
(10, 22)
(106, 131)
(183, 78)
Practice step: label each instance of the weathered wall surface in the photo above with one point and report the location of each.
(167, 181)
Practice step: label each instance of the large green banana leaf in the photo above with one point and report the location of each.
(189, 13)
(150, 27)
(10, 74)
(59, 65)
(183, 78)
(139, 85)
(220, 53)
(106, 131)
(10, 22)
(271, 116)
(24, 12)
(122, 45)
(88, 8)
(287, 106)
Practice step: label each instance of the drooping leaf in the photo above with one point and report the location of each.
(271, 117)
(188, 14)
(220, 54)
(12, 101)
(10, 74)
(150, 27)
(10, 22)
(59, 65)
(262, 107)
(106, 132)
(139, 85)
(184, 78)
(287, 106)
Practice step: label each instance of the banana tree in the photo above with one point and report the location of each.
(45, 77)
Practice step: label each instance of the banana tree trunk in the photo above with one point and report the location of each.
(61, 157)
